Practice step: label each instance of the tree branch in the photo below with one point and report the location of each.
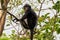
(13, 16)
(40, 8)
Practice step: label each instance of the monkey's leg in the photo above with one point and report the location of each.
(24, 24)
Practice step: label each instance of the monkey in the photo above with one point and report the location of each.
(31, 19)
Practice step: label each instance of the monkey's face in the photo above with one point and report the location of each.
(25, 9)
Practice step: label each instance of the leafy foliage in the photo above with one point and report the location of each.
(57, 6)
(45, 27)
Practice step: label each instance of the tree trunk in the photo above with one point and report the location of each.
(2, 22)
(3, 14)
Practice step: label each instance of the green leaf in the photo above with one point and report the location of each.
(40, 19)
(5, 38)
(13, 31)
(10, 18)
(22, 11)
(39, 1)
(46, 15)
(8, 25)
(57, 6)
(58, 30)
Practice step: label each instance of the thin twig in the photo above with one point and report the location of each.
(52, 1)
(40, 8)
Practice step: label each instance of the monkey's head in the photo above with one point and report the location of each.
(27, 7)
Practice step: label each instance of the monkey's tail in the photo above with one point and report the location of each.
(31, 37)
